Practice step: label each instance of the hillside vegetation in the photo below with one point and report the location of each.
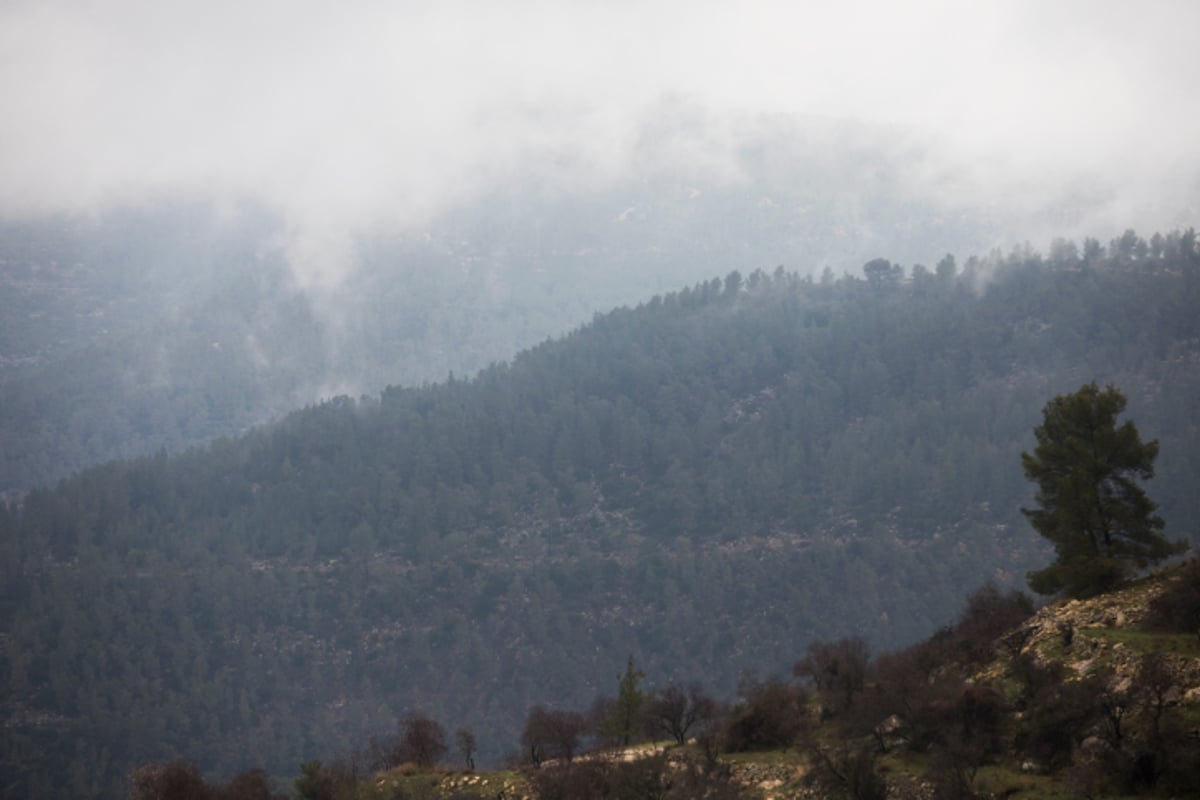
(1096, 698)
(709, 481)
(171, 324)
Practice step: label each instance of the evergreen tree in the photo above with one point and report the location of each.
(627, 710)
(1090, 506)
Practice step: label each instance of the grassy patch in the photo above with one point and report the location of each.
(436, 784)
(1186, 716)
(1008, 781)
(902, 762)
(1181, 644)
(788, 757)
(1054, 649)
(994, 780)
(396, 783)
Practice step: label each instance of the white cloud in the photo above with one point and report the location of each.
(349, 115)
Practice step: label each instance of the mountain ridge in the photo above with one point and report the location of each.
(711, 479)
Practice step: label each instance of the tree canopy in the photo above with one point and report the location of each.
(623, 721)
(715, 478)
(1090, 506)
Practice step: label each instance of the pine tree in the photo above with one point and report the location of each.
(626, 715)
(1090, 506)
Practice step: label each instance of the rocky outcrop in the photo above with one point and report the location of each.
(1102, 633)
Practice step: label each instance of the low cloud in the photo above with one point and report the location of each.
(348, 117)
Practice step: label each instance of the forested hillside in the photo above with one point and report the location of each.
(708, 481)
(1082, 698)
(172, 324)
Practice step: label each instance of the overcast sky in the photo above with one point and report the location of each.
(345, 114)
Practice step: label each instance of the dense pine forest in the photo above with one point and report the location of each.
(166, 326)
(709, 481)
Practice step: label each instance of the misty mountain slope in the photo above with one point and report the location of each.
(708, 481)
(168, 325)
(119, 338)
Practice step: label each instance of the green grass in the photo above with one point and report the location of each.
(1055, 649)
(436, 783)
(1181, 644)
(1003, 779)
(1185, 715)
(788, 757)
(902, 761)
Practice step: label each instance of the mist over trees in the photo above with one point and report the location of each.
(718, 476)
(374, 375)
(141, 329)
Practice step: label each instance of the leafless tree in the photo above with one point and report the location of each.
(422, 741)
(465, 739)
(553, 733)
(838, 670)
(675, 710)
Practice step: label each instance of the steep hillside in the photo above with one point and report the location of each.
(708, 481)
(169, 325)
(1094, 698)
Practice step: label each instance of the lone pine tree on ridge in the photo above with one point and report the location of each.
(1090, 505)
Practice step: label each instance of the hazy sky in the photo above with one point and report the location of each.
(353, 114)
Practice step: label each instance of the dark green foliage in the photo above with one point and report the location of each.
(1102, 525)
(1177, 608)
(737, 468)
(1102, 735)
(107, 323)
(882, 274)
(625, 718)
